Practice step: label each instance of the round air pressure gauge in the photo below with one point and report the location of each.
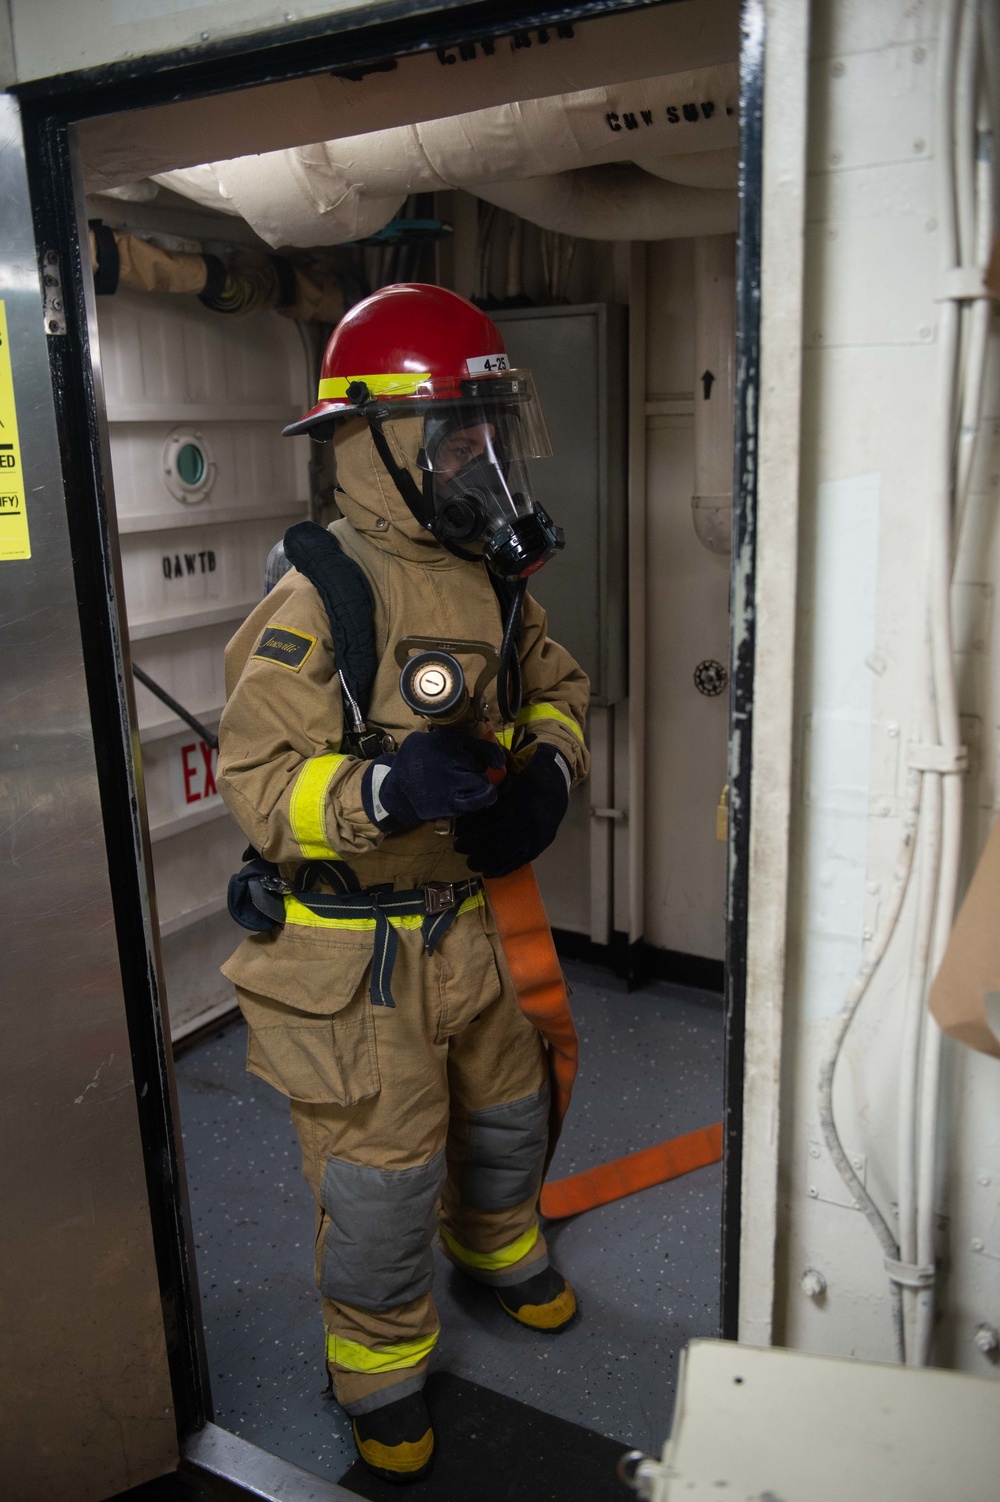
(188, 467)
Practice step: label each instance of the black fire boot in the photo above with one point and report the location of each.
(396, 1441)
(544, 1302)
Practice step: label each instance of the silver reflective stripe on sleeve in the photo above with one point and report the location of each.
(379, 774)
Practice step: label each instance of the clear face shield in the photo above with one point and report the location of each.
(475, 451)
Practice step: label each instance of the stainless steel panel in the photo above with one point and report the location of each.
(577, 356)
(85, 1407)
(216, 1452)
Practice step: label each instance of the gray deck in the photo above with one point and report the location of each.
(645, 1269)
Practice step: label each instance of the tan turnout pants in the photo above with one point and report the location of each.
(450, 1137)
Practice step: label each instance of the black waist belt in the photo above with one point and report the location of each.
(257, 896)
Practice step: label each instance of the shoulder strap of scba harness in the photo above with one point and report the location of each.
(347, 596)
(515, 900)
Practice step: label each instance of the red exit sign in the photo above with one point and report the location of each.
(198, 764)
(193, 771)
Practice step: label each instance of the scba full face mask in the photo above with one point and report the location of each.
(477, 487)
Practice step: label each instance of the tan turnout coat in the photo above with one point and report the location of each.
(380, 1096)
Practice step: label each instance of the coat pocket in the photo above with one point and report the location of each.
(312, 1033)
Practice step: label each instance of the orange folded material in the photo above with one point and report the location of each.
(641, 1170)
(524, 931)
(519, 912)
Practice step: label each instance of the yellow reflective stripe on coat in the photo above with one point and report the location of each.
(297, 913)
(496, 1261)
(358, 1358)
(396, 383)
(532, 712)
(307, 812)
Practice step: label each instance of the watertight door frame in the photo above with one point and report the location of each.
(50, 108)
(86, 1407)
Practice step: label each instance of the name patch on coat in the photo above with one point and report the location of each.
(282, 644)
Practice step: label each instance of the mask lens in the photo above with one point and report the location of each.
(457, 412)
(477, 441)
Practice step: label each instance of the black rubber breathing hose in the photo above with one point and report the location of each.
(509, 676)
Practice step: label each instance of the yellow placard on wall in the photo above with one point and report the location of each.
(14, 540)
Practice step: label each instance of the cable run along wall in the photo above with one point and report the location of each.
(882, 838)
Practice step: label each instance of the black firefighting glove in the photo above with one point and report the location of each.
(524, 819)
(436, 774)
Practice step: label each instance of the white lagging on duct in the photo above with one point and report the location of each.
(615, 203)
(547, 160)
(930, 845)
(699, 169)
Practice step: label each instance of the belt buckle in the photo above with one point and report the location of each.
(439, 896)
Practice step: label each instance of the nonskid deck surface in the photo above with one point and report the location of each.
(491, 1448)
(645, 1269)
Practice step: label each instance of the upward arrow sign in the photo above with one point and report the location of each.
(707, 382)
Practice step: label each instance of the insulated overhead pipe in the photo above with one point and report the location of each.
(549, 160)
(698, 169)
(614, 202)
(245, 282)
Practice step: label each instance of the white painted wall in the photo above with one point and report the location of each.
(687, 621)
(868, 414)
(8, 69)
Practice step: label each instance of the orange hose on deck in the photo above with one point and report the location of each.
(523, 926)
(641, 1170)
(517, 907)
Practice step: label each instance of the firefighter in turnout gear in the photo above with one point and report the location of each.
(378, 992)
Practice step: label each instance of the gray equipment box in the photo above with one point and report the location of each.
(578, 358)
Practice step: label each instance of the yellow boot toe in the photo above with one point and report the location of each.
(544, 1302)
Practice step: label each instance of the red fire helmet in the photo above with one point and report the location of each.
(423, 352)
(411, 344)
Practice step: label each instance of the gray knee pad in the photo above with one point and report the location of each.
(377, 1248)
(505, 1154)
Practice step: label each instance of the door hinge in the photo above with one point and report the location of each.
(53, 304)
